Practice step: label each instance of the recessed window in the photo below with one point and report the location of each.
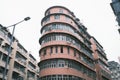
(56, 16)
(47, 19)
(48, 13)
(68, 49)
(51, 50)
(74, 52)
(4, 58)
(44, 52)
(1, 40)
(0, 55)
(66, 63)
(61, 10)
(61, 49)
(67, 18)
(56, 49)
(79, 56)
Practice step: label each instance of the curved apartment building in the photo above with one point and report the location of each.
(65, 51)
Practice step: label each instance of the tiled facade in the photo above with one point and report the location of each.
(101, 64)
(115, 70)
(66, 52)
(22, 65)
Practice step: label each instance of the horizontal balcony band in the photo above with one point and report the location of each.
(63, 71)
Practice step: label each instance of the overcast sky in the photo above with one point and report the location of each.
(96, 15)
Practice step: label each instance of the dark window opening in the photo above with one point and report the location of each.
(74, 52)
(68, 48)
(56, 49)
(44, 52)
(51, 50)
(61, 49)
(57, 16)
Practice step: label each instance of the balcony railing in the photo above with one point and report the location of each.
(1, 75)
(21, 61)
(18, 70)
(4, 36)
(33, 61)
(31, 78)
(87, 53)
(22, 52)
(101, 51)
(31, 68)
(2, 63)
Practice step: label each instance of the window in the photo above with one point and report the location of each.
(61, 49)
(61, 37)
(57, 16)
(67, 18)
(61, 10)
(60, 77)
(51, 50)
(0, 55)
(31, 65)
(48, 13)
(4, 58)
(47, 19)
(56, 49)
(6, 47)
(58, 27)
(44, 52)
(68, 48)
(1, 71)
(74, 52)
(63, 63)
(1, 41)
(79, 56)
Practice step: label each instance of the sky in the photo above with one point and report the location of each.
(96, 15)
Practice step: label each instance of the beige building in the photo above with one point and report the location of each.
(22, 65)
